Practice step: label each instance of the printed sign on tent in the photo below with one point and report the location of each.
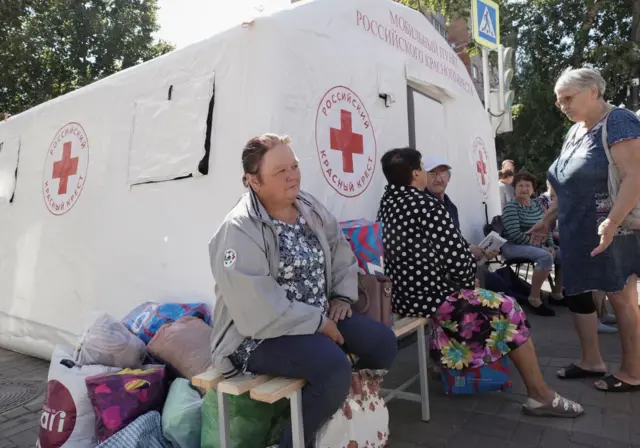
(345, 141)
(486, 23)
(65, 169)
(480, 165)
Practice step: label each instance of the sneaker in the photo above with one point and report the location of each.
(602, 328)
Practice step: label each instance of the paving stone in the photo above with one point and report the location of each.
(598, 442)
(616, 425)
(6, 443)
(15, 413)
(30, 423)
(490, 426)
(526, 435)
(590, 422)
(554, 438)
(26, 439)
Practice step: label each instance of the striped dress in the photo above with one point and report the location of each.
(517, 219)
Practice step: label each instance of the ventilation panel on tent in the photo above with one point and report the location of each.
(172, 132)
(9, 155)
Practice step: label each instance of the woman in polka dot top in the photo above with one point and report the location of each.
(433, 271)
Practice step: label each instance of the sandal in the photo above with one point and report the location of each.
(559, 407)
(612, 384)
(572, 372)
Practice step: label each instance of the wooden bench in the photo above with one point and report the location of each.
(402, 327)
(271, 389)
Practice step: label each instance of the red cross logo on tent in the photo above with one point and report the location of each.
(63, 169)
(481, 168)
(347, 141)
(479, 158)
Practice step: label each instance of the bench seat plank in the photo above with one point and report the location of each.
(240, 384)
(276, 389)
(207, 380)
(407, 325)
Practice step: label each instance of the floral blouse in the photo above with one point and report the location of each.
(425, 255)
(301, 275)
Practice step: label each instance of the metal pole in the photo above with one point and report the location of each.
(634, 94)
(501, 101)
(485, 77)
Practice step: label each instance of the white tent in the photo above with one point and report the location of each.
(103, 200)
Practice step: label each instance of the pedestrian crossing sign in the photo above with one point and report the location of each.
(486, 23)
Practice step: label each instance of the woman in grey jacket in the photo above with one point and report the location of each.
(285, 281)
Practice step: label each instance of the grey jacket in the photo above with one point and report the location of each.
(245, 258)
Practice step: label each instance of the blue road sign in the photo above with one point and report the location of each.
(486, 23)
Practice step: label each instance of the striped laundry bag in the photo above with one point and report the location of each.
(143, 432)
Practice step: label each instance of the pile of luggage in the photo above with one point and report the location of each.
(127, 383)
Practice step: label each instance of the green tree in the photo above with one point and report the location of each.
(51, 47)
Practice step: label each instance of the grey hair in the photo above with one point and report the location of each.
(582, 78)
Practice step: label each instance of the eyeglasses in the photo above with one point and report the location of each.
(566, 100)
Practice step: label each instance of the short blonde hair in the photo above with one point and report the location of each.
(581, 78)
(255, 149)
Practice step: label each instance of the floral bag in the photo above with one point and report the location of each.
(363, 419)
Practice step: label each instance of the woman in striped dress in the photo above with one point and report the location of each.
(518, 216)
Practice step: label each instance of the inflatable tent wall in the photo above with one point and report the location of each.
(109, 195)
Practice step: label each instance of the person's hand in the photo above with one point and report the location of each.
(491, 255)
(551, 250)
(330, 330)
(606, 230)
(339, 310)
(477, 252)
(539, 233)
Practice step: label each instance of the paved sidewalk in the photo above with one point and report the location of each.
(486, 421)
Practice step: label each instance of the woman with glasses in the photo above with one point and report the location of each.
(598, 254)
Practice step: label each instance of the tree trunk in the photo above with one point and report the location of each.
(582, 36)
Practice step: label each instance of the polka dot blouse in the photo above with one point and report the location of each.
(425, 256)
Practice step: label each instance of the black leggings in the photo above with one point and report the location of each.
(582, 303)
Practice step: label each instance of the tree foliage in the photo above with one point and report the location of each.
(550, 36)
(51, 47)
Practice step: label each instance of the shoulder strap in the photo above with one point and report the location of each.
(605, 145)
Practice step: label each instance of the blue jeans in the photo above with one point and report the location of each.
(542, 258)
(324, 365)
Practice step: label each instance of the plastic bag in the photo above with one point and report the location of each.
(107, 342)
(492, 377)
(67, 419)
(146, 319)
(185, 344)
(119, 398)
(182, 415)
(144, 432)
(251, 423)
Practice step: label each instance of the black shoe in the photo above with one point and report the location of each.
(542, 310)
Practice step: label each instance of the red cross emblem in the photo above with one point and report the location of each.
(481, 168)
(63, 169)
(346, 141)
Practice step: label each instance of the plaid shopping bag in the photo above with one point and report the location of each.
(365, 238)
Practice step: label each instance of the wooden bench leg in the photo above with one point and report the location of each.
(297, 427)
(424, 373)
(223, 417)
